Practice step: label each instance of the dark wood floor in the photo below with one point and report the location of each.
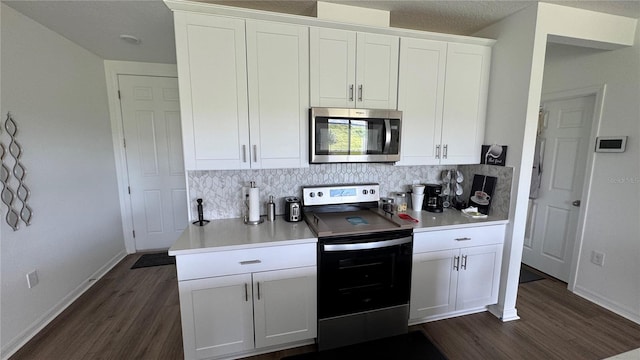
(134, 314)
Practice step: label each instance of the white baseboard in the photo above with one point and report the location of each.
(21, 339)
(607, 304)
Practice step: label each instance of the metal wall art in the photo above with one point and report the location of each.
(16, 201)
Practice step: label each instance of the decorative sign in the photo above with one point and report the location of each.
(493, 154)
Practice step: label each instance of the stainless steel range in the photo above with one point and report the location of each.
(364, 264)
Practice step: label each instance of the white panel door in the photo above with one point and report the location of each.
(285, 306)
(332, 67)
(478, 276)
(420, 98)
(217, 316)
(433, 283)
(278, 73)
(151, 121)
(465, 103)
(565, 142)
(377, 71)
(213, 87)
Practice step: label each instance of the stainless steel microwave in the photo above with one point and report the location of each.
(354, 135)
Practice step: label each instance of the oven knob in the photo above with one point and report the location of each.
(364, 192)
(372, 191)
(312, 194)
(320, 193)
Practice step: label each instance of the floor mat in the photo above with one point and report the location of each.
(157, 259)
(411, 346)
(528, 276)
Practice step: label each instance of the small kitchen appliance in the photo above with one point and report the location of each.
(292, 209)
(432, 198)
(364, 264)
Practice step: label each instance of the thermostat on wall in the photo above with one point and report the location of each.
(611, 143)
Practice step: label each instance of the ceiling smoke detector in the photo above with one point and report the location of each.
(130, 39)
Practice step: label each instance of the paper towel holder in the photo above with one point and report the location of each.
(246, 204)
(201, 221)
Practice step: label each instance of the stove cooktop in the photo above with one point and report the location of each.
(353, 222)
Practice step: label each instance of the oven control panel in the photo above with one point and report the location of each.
(340, 194)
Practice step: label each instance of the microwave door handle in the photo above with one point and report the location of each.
(387, 137)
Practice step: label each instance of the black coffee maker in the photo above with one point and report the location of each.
(432, 198)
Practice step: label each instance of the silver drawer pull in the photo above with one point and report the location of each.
(463, 239)
(249, 262)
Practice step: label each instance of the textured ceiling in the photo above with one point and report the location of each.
(97, 24)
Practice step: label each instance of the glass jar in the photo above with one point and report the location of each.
(401, 202)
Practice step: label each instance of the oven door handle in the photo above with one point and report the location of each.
(366, 245)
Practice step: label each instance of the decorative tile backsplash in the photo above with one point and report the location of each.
(222, 191)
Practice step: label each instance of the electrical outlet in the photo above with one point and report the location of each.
(597, 258)
(32, 279)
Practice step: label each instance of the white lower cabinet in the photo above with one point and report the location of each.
(232, 316)
(217, 316)
(455, 271)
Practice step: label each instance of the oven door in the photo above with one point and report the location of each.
(364, 272)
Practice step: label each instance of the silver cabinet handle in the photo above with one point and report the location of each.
(576, 203)
(244, 153)
(255, 153)
(258, 290)
(445, 151)
(246, 292)
(351, 92)
(464, 262)
(456, 262)
(463, 239)
(360, 92)
(249, 262)
(437, 151)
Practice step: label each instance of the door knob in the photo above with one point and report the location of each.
(576, 203)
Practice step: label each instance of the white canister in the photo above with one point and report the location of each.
(416, 201)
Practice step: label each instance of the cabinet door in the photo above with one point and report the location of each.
(433, 283)
(465, 103)
(278, 73)
(377, 71)
(213, 91)
(479, 276)
(332, 67)
(285, 306)
(420, 98)
(217, 316)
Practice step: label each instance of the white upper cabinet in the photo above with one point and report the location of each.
(420, 98)
(212, 76)
(442, 93)
(244, 94)
(465, 103)
(278, 73)
(353, 69)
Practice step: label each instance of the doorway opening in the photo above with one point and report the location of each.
(560, 181)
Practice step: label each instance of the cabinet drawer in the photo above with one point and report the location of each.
(457, 238)
(197, 266)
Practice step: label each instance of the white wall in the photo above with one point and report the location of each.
(56, 91)
(612, 223)
(508, 113)
(514, 98)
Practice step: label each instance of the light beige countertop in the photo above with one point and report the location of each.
(233, 234)
(449, 219)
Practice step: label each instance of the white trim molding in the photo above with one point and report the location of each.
(112, 69)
